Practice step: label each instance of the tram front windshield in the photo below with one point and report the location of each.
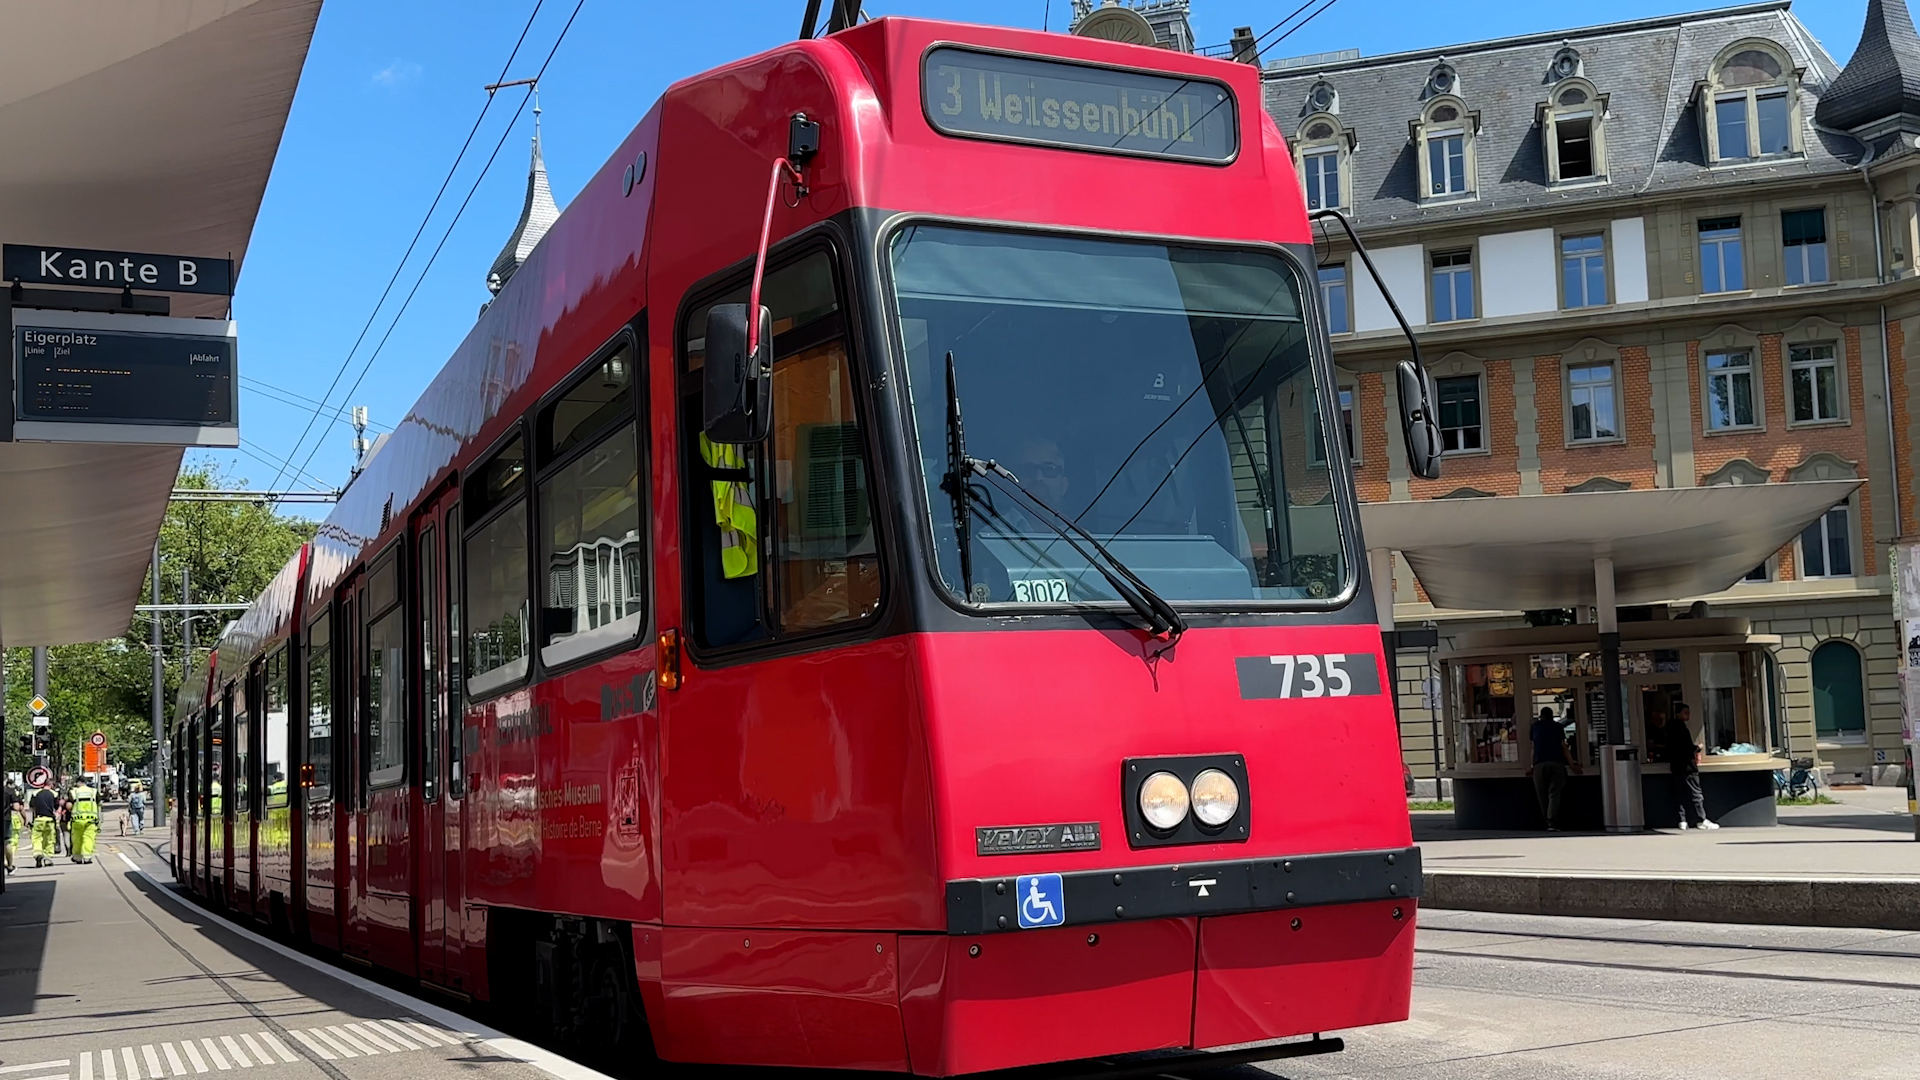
(1161, 397)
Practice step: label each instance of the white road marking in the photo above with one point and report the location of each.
(238, 1055)
(339, 1049)
(173, 1060)
(313, 1044)
(153, 1061)
(352, 1040)
(277, 1047)
(36, 1066)
(49, 1076)
(193, 1055)
(107, 1068)
(387, 1030)
(374, 1036)
(428, 1031)
(498, 1042)
(86, 1066)
(219, 1059)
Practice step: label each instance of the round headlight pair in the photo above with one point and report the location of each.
(1213, 798)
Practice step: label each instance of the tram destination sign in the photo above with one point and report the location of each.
(92, 377)
(36, 264)
(1079, 106)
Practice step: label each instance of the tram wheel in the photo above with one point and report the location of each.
(610, 1003)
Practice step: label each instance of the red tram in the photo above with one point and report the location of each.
(723, 679)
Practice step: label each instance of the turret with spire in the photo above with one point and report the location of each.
(537, 215)
(1878, 92)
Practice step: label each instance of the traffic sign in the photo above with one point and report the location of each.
(38, 704)
(40, 720)
(39, 776)
(98, 738)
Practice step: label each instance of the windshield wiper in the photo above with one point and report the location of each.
(1161, 618)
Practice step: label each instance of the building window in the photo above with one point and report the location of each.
(1721, 269)
(1347, 437)
(1590, 400)
(1452, 285)
(1730, 391)
(1839, 705)
(1323, 146)
(1333, 298)
(1460, 428)
(1826, 547)
(1444, 135)
(1804, 233)
(1813, 377)
(1758, 573)
(1572, 124)
(1583, 270)
(1751, 106)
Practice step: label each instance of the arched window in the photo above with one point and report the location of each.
(1839, 705)
(1324, 151)
(1751, 105)
(1444, 136)
(1572, 125)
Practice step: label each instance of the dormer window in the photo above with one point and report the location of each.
(1324, 149)
(1444, 135)
(1750, 104)
(1571, 123)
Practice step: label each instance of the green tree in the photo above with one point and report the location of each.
(231, 551)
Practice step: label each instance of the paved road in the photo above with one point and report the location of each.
(1517, 996)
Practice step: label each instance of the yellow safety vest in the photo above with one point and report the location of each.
(84, 806)
(733, 511)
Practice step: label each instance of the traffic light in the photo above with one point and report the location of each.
(26, 743)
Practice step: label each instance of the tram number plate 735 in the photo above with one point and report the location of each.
(1308, 675)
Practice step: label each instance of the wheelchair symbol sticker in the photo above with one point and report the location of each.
(1043, 900)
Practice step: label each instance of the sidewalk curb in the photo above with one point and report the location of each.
(1864, 902)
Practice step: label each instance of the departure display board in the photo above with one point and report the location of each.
(87, 377)
(1079, 106)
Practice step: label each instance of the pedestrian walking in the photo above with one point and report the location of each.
(45, 809)
(137, 809)
(12, 828)
(1550, 764)
(1675, 738)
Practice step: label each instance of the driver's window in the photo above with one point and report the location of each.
(783, 532)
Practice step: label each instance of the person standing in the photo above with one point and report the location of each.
(10, 829)
(137, 808)
(1549, 768)
(85, 813)
(1683, 759)
(45, 808)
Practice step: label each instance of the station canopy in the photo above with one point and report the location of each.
(149, 125)
(1528, 552)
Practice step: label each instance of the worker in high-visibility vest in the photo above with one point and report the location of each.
(45, 808)
(733, 510)
(86, 821)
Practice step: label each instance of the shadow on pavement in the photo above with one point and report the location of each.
(26, 909)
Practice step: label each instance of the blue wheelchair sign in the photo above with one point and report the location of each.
(1042, 900)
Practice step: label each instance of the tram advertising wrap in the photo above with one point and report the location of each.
(1017, 98)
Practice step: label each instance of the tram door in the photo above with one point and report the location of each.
(318, 856)
(438, 897)
(220, 815)
(384, 874)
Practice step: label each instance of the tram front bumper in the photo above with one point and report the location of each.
(1149, 958)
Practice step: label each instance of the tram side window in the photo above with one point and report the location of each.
(456, 683)
(273, 768)
(593, 563)
(319, 755)
(383, 753)
(216, 761)
(808, 505)
(242, 747)
(496, 573)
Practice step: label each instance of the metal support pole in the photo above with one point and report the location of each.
(40, 691)
(1621, 798)
(159, 694)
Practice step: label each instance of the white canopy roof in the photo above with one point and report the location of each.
(140, 125)
(1537, 551)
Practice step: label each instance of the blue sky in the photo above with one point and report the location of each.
(390, 91)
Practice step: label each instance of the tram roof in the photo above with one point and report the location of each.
(1528, 552)
(144, 127)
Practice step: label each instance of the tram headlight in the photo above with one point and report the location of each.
(1163, 800)
(1216, 798)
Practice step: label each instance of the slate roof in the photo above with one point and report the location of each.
(1647, 68)
(537, 215)
(1882, 79)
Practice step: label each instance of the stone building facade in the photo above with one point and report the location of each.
(1666, 253)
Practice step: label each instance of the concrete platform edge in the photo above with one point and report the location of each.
(1869, 903)
(499, 1042)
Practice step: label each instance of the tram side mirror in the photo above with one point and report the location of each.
(1418, 421)
(737, 389)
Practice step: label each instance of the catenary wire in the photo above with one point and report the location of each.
(286, 397)
(417, 234)
(457, 214)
